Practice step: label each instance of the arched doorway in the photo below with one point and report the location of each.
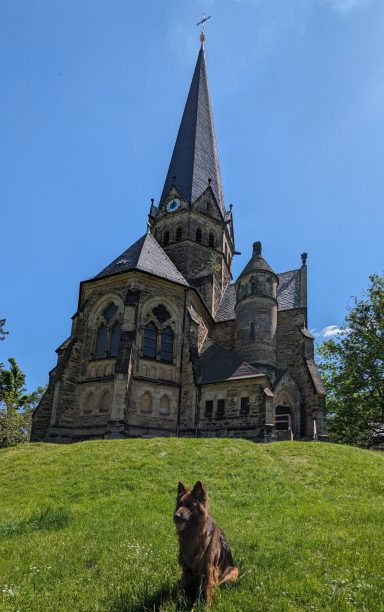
(283, 423)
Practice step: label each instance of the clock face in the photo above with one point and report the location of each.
(173, 205)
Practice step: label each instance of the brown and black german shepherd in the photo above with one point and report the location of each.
(205, 555)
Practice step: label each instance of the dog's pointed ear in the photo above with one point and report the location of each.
(199, 492)
(181, 489)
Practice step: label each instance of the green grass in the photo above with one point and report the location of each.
(89, 526)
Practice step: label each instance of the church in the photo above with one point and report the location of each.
(165, 342)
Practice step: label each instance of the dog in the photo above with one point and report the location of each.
(205, 556)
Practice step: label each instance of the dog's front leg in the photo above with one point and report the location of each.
(190, 584)
(212, 578)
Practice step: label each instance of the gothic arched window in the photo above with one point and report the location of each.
(166, 353)
(150, 341)
(108, 334)
(166, 238)
(199, 234)
(105, 402)
(164, 404)
(146, 402)
(115, 339)
(211, 239)
(252, 331)
(89, 403)
(109, 312)
(101, 342)
(179, 233)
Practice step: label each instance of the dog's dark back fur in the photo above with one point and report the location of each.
(205, 556)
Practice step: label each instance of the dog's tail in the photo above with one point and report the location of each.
(231, 574)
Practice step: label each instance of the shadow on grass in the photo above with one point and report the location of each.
(151, 602)
(47, 519)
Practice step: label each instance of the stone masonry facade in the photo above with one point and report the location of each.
(164, 343)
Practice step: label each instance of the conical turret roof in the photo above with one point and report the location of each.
(257, 262)
(195, 158)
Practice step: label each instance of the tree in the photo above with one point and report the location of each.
(16, 405)
(3, 333)
(353, 369)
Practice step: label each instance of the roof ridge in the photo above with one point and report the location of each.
(153, 261)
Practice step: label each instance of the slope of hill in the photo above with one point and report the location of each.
(89, 526)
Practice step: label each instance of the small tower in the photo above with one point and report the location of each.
(256, 313)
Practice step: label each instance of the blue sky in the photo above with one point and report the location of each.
(92, 93)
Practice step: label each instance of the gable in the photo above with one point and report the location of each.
(145, 255)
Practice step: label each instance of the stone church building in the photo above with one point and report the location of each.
(164, 341)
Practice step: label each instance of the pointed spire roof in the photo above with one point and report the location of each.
(257, 262)
(146, 255)
(195, 159)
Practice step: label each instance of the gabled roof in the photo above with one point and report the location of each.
(195, 158)
(219, 365)
(316, 378)
(146, 255)
(289, 290)
(226, 309)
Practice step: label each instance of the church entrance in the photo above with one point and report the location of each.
(283, 423)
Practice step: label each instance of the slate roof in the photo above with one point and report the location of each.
(195, 158)
(226, 310)
(219, 365)
(289, 290)
(146, 255)
(257, 262)
(316, 378)
(288, 296)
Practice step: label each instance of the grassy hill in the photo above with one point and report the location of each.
(89, 526)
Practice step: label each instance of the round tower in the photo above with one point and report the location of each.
(256, 313)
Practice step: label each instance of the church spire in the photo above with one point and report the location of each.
(195, 159)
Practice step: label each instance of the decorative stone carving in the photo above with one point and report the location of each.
(161, 313)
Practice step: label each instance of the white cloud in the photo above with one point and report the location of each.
(344, 7)
(329, 331)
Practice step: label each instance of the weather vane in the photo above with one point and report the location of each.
(202, 23)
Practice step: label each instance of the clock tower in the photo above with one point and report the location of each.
(191, 222)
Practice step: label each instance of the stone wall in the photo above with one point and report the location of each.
(294, 346)
(224, 334)
(233, 423)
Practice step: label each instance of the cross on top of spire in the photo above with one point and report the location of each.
(202, 23)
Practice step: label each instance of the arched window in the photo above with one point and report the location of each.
(150, 341)
(115, 339)
(253, 285)
(89, 403)
(179, 233)
(110, 312)
(101, 341)
(166, 353)
(199, 234)
(105, 402)
(164, 405)
(208, 206)
(211, 239)
(252, 331)
(166, 238)
(146, 402)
